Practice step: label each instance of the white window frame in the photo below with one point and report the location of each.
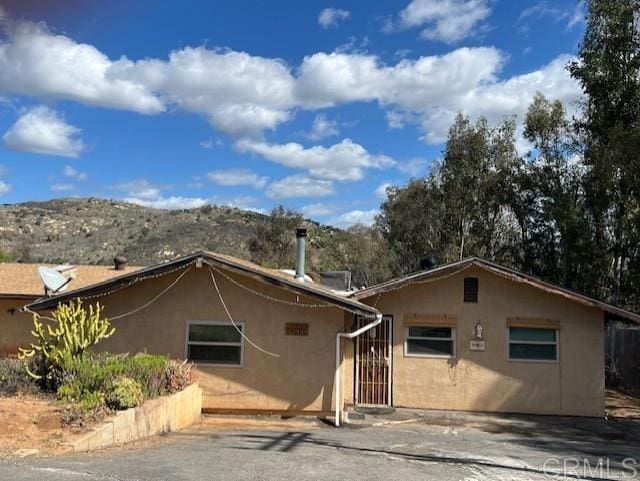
(545, 343)
(204, 343)
(431, 356)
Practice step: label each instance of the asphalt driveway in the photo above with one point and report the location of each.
(439, 447)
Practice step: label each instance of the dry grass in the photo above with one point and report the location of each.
(622, 405)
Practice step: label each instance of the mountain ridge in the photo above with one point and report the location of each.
(93, 231)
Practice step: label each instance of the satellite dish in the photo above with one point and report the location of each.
(53, 280)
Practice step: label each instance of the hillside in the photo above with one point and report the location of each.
(93, 231)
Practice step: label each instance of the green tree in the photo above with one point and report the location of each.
(412, 222)
(361, 250)
(608, 68)
(273, 244)
(474, 176)
(557, 234)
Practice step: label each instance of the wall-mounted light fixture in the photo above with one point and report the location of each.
(477, 330)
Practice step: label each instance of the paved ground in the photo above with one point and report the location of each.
(439, 447)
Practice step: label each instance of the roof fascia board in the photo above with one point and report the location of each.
(52, 302)
(292, 286)
(499, 270)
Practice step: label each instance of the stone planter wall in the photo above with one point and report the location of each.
(160, 415)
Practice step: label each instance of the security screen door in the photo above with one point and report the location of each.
(373, 363)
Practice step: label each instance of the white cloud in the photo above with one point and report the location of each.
(322, 128)
(73, 173)
(140, 189)
(362, 217)
(544, 10)
(62, 187)
(317, 209)
(245, 202)
(330, 17)
(5, 188)
(143, 192)
(329, 79)
(210, 143)
(381, 191)
(345, 161)
(447, 21)
(432, 90)
(415, 167)
(237, 177)
(169, 203)
(240, 94)
(395, 120)
(41, 130)
(508, 97)
(577, 17)
(34, 61)
(243, 95)
(299, 186)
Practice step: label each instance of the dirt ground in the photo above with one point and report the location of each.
(621, 405)
(31, 423)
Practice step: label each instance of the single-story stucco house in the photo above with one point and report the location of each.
(471, 336)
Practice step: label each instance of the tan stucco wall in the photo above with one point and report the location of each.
(301, 378)
(488, 381)
(15, 327)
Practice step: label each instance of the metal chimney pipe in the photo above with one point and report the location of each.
(301, 235)
(119, 263)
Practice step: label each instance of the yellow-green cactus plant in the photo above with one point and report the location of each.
(73, 329)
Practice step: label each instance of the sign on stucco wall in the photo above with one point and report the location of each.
(296, 329)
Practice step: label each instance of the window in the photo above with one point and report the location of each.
(471, 289)
(533, 344)
(430, 341)
(214, 343)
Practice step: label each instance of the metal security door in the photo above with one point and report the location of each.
(373, 363)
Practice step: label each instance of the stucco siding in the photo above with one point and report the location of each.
(15, 327)
(301, 378)
(488, 381)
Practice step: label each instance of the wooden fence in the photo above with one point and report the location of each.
(622, 350)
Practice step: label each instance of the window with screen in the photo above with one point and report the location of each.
(533, 344)
(428, 341)
(471, 289)
(214, 343)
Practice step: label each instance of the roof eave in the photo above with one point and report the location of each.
(294, 286)
(498, 270)
(45, 303)
(21, 296)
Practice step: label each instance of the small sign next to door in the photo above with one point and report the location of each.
(296, 329)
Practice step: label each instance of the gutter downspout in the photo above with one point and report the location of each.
(347, 335)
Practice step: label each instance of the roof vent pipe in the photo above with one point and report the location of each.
(301, 235)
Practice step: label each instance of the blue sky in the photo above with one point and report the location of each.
(314, 105)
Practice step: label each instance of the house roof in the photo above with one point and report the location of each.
(226, 262)
(23, 281)
(513, 275)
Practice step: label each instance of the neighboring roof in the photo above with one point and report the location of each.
(22, 280)
(230, 263)
(455, 267)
